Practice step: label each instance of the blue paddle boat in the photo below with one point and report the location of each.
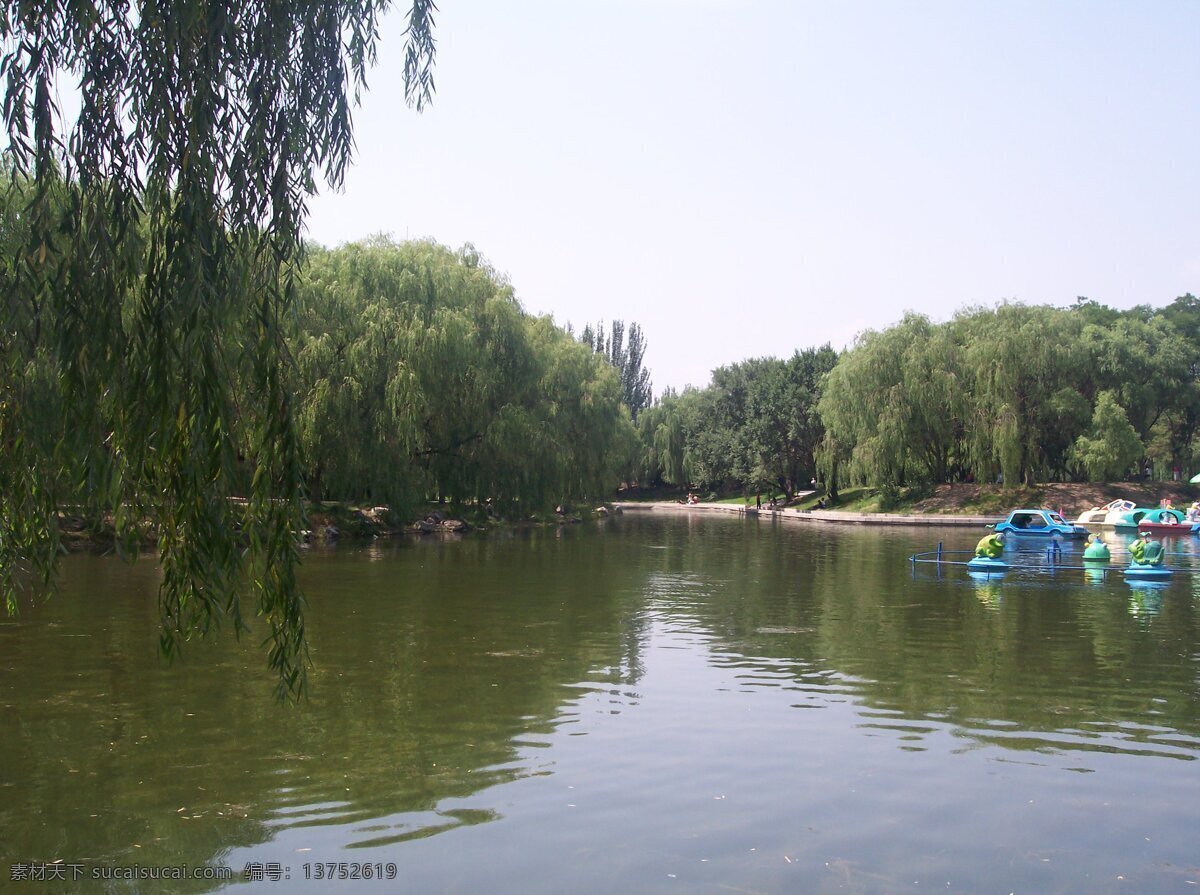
(987, 564)
(1146, 572)
(1042, 523)
(1146, 560)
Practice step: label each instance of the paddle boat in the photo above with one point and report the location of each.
(987, 565)
(1096, 551)
(989, 555)
(1143, 572)
(1165, 522)
(1129, 521)
(1146, 560)
(1145, 565)
(1042, 523)
(1109, 514)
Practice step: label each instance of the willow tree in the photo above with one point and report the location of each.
(157, 286)
(663, 449)
(670, 444)
(584, 417)
(1027, 371)
(892, 406)
(416, 375)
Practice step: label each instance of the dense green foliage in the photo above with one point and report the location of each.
(148, 274)
(1013, 393)
(1112, 446)
(889, 406)
(419, 375)
(754, 427)
(1016, 394)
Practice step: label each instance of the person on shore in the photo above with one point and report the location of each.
(991, 546)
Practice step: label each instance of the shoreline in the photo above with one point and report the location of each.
(333, 524)
(827, 517)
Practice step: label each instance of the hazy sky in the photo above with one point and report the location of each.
(750, 177)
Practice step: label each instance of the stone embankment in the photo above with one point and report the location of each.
(835, 517)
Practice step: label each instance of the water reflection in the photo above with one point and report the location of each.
(914, 647)
(987, 587)
(1146, 597)
(491, 690)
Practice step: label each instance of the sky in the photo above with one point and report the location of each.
(748, 178)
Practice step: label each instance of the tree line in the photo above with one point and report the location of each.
(418, 376)
(398, 374)
(755, 426)
(1013, 393)
(413, 374)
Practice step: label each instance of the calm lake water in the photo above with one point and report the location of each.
(663, 705)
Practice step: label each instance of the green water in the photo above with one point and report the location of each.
(676, 705)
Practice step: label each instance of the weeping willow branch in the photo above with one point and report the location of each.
(149, 249)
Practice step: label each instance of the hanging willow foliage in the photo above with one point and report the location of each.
(146, 269)
(419, 375)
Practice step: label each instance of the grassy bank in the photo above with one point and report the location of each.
(995, 500)
(967, 500)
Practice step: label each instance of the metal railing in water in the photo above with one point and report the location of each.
(1048, 561)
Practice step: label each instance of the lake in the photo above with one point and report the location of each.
(660, 704)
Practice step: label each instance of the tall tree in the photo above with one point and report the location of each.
(1112, 446)
(1027, 371)
(162, 281)
(778, 430)
(755, 426)
(1145, 361)
(627, 356)
(892, 405)
(1183, 417)
(806, 374)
